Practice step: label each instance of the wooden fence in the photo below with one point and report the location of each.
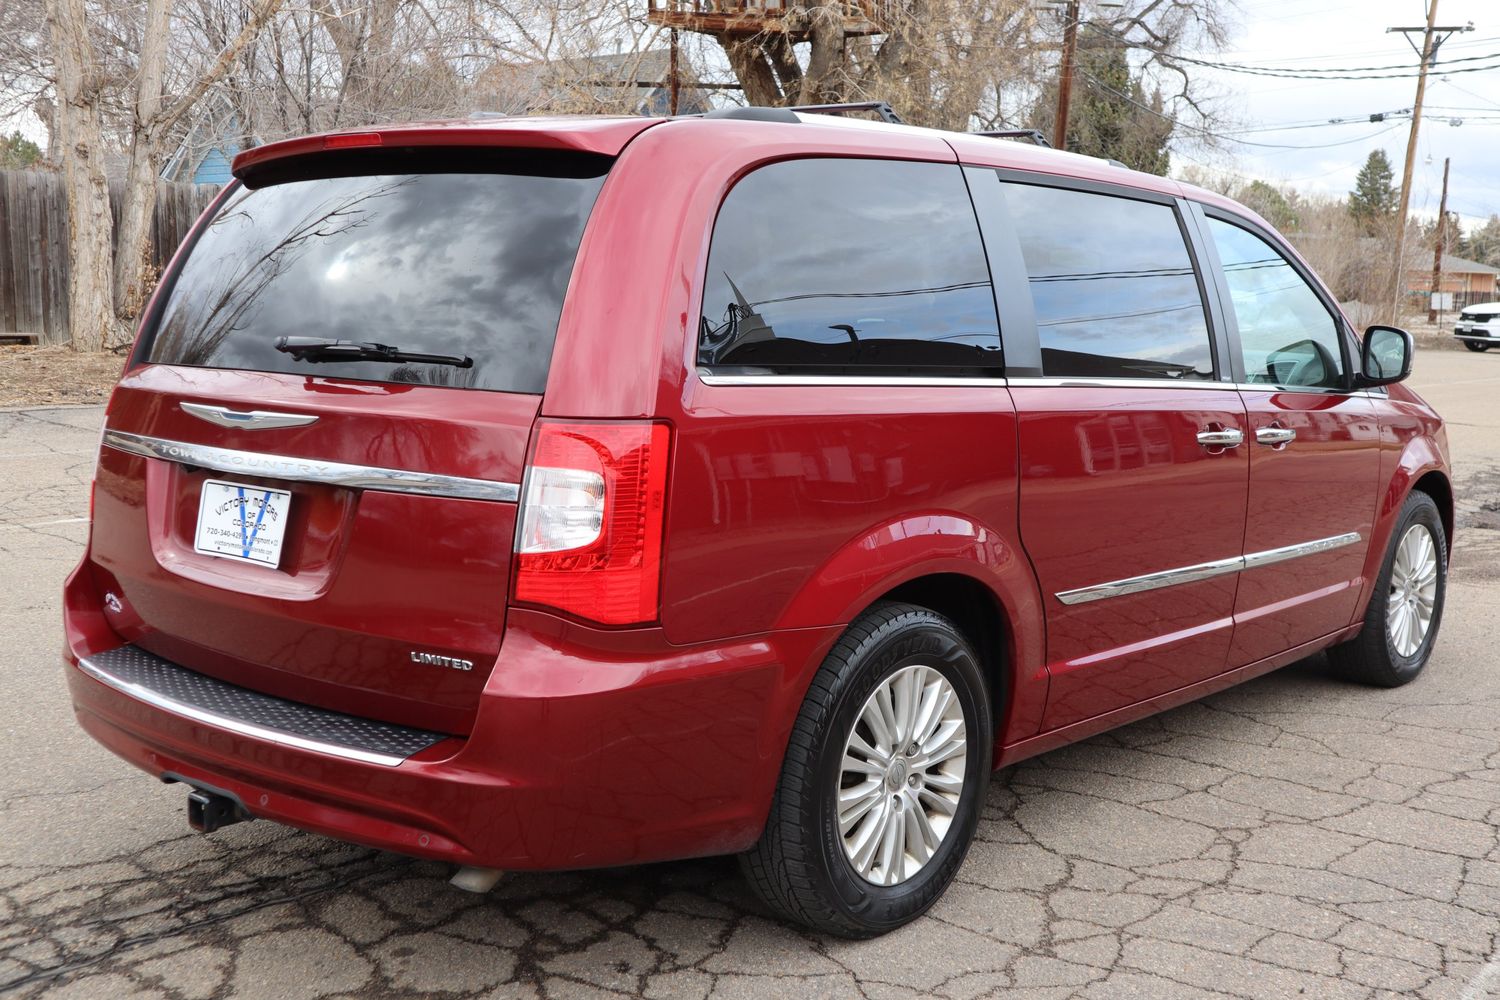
(34, 245)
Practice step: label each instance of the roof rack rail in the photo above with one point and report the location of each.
(754, 113)
(1034, 134)
(881, 108)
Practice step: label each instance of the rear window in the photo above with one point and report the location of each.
(464, 257)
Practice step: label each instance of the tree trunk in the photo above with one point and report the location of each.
(81, 133)
(752, 70)
(138, 207)
(132, 259)
(825, 63)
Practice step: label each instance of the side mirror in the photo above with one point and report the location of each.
(1385, 356)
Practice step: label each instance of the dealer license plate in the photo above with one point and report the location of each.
(236, 521)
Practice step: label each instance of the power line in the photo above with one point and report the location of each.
(1225, 138)
(1405, 67)
(1308, 75)
(1315, 73)
(1251, 57)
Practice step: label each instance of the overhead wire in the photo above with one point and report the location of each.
(1404, 70)
(1228, 138)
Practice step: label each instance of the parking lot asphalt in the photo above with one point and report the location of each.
(1294, 837)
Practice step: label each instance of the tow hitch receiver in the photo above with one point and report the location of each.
(208, 811)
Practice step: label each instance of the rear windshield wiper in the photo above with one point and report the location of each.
(316, 349)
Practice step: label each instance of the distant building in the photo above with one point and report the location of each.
(1468, 281)
(206, 151)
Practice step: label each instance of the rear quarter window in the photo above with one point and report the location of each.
(847, 267)
(442, 254)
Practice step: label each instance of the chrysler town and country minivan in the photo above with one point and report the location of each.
(562, 493)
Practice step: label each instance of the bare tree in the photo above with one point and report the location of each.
(79, 132)
(154, 120)
(108, 277)
(953, 63)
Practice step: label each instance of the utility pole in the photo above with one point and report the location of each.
(1437, 253)
(1065, 79)
(674, 81)
(1428, 54)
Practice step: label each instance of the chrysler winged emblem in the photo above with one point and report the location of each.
(254, 420)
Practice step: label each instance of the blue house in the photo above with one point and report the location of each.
(205, 153)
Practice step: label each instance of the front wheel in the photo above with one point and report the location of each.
(1402, 621)
(1477, 346)
(883, 777)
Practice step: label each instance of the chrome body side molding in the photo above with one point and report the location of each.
(1269, 556)
(251, 420)
(1205, 571)
(311, 470)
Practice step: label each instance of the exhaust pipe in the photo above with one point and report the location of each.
(473, 879)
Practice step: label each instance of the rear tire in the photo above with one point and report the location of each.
(1396, 640)
(1476, 346)
(842, 789)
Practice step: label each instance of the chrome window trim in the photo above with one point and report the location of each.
(1063, 382)
(1205, 571)
(171, 705)
(1029, 381)
(311, 470)
(708, 378)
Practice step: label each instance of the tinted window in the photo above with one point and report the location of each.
(1287, 336)
(1114, 288)
(459, 264)
(849, 266)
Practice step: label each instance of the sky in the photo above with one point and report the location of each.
(1302, 34)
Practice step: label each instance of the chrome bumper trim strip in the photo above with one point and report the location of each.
(1205, 571)
(157, 700)
(311, 470)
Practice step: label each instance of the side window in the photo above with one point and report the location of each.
(1115, 292)
(846, 266)
(1287, 336)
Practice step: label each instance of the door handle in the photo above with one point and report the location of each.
(1221, 438)
(1275, 436)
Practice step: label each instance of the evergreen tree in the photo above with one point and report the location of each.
(1483, 244)
(1110, 115)
(1374, 198)
(18, 152)
(1270, 204)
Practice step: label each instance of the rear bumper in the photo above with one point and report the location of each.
(590, 748)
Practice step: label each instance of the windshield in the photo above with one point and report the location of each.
(441, 263)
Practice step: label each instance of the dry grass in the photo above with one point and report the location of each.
(48, 376)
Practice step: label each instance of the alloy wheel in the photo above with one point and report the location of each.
(902, 775)
(1413, 592)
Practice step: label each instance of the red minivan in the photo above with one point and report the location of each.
(561, 493)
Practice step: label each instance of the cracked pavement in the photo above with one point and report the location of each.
(1293, 837)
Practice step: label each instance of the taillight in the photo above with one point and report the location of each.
(109, 404)
(589, 541)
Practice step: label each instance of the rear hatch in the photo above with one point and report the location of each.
(318, 518)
